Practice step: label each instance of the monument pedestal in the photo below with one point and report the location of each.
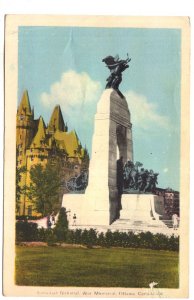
(142, 209)
(140, 212)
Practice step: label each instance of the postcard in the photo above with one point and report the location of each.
(96, 170)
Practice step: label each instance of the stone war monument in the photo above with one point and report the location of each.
(105, 203)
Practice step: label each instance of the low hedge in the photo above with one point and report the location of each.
(129, 239)
(29, 232)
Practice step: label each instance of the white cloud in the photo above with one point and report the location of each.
(165, 170)
(77, 94)
(144, 114)
(73, 90)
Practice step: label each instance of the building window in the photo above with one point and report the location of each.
(32, 158)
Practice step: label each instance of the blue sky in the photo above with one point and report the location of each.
(63, 65)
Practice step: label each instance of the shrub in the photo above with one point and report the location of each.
(70, 237)
(133, 240)
(89, 237)
(109, 239)
(26, 231)
(51, 238)
(146, 239)
(43, 234)
(61, 228)
(160, 241)
(92, 237)
(101, 239)
(174, 243)
(77, 236)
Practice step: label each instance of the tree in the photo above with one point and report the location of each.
(20, 190)
(44, 188)
(61, 227)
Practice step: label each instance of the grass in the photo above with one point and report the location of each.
(114, 267)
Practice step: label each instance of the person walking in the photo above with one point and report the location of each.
(74, 220)
(53, 218)
(48, 221)
(175, 220)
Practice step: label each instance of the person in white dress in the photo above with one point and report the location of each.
(175, 221)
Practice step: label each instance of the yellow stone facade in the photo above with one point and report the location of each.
(35, 142)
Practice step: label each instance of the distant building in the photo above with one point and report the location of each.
(36, 143)
(171, 201)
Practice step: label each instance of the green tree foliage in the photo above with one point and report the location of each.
(44, 188)
(20, 190)
(61, 228)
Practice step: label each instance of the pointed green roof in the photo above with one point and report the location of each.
(69, 141)
(40, 135)
(24, 106)
(56, 120)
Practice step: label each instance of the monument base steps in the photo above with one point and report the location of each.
(121, 227)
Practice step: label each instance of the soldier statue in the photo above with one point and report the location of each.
(141, 180)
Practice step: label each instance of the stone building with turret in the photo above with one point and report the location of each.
(36, 143)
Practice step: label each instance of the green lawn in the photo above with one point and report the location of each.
(114, 267)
